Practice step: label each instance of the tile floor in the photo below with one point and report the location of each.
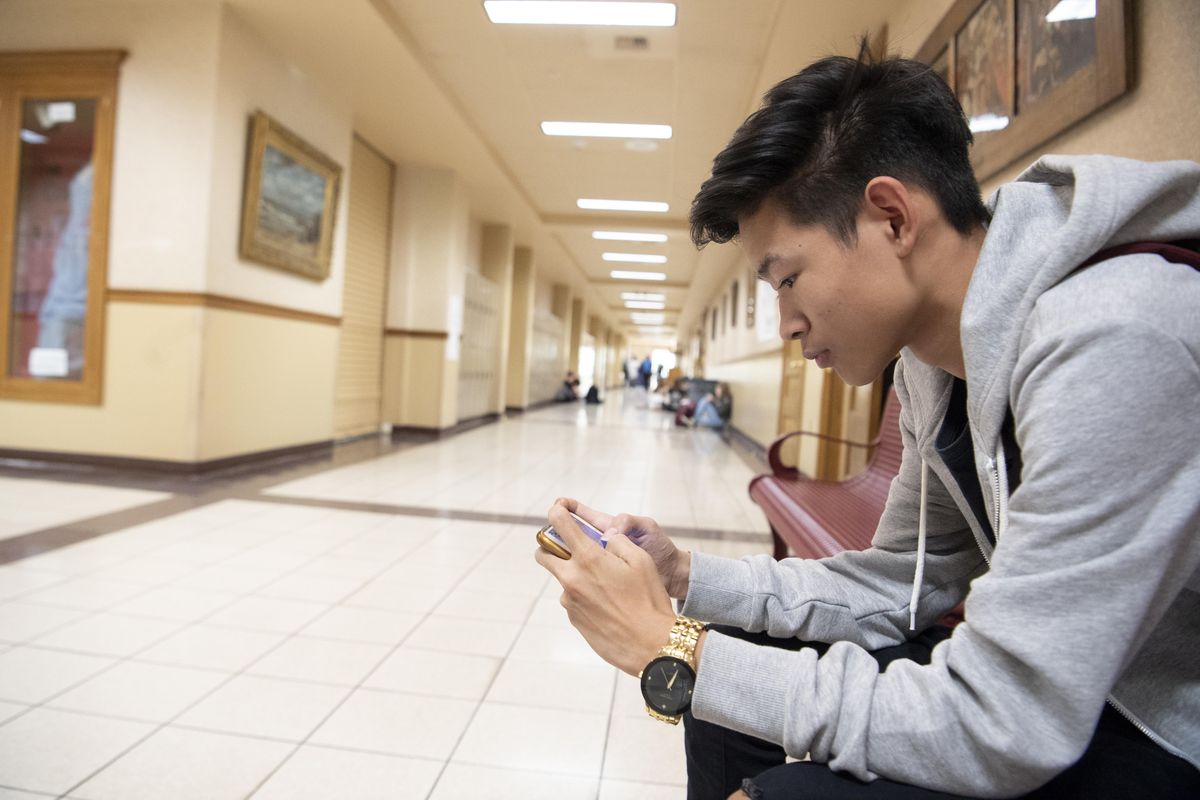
(275, 647)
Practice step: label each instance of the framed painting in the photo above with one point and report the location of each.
(1026, 70)
(289, 201)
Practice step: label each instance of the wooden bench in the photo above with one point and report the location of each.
(817, 518)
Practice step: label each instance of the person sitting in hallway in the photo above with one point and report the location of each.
(569, 391)
(714, 409)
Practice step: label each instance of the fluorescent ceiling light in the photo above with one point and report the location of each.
(628, 236)
(647, 304)
(1069, 10)
(987, 122)
(611, 130)
(622, 205)
(574, 12)
(634, 258)
(647, 319)
(621, 274)
(653, 297)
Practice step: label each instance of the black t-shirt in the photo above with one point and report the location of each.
(957, 450)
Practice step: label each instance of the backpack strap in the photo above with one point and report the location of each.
(1181, 252)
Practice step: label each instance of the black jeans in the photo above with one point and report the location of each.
(1120, 762)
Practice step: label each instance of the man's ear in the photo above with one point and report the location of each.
(887, 202)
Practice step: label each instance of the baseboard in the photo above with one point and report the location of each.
(739, 439)
(419, 433)
(170, 467)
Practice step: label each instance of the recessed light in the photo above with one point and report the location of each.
(653, 297)
(622, 205)
(573, 12)
(634, 258)
(627, 275)
(611, 130)
(628, 236)
(649, 305)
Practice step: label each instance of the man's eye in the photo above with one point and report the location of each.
(787, 282)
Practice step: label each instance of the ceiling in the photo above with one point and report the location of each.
(435, 82)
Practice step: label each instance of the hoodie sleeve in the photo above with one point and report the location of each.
(1100, 539)
(856, 596)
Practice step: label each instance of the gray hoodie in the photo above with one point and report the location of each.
(1091, 592)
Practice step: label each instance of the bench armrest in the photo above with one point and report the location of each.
(781, 470)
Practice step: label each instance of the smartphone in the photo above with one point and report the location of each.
(552, 543)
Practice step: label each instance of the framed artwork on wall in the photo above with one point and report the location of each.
(1025, 70)
(289, 201)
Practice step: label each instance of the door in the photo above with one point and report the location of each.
(358, 386)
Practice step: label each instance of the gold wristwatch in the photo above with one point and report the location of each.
(668, 680)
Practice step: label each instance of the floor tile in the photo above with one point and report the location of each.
(187, 765)
(553, 643)
(400, 724)
(51, 751)
(626, 790)
(20, 621)
(435, 674)
(571, 687)
(131, 689)
(351, 624)
(85, 593)
(176, 603)
(322, 773)
(646, 750)
(10, 710)
(267, 707)
(485, 605)
(463, 782)
(109, 634)
(212, 647)
(450, 634)
(320, 661)
(271, 614)
(391, 595)
(551, 740)
(19, 579)
(31, 675)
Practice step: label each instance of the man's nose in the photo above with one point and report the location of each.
(792, 324)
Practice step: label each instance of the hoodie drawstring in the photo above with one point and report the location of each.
(919, 577)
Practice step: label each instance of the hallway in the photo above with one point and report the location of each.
(370, 626)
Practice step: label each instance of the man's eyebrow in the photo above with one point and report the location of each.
(765, 266)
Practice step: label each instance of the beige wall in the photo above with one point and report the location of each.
(754, 381)
(185, 382)
(267, 383)
(151, 401)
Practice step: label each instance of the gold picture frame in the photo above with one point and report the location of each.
(289, 201)
(1037, 74)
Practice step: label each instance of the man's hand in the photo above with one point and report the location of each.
(613, 596)
(673, 565)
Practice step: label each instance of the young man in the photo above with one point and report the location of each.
(1051, 474)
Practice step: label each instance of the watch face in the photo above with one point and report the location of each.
(667, 684)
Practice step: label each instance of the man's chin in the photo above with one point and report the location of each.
(855, 377)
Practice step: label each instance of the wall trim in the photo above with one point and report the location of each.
(424, 434)
(222, 302)
(416, 334)
(739, 439)
(514, 410)
(162, 465)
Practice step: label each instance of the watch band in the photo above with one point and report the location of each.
(685, 635)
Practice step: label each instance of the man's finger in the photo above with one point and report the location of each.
(621, 547)
(551, 563)
(565, 526)
(600, 521)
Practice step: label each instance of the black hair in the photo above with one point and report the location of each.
(824, 133)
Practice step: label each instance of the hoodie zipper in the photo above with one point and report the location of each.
(1149, 734)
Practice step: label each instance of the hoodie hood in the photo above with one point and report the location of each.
(1058, 213)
